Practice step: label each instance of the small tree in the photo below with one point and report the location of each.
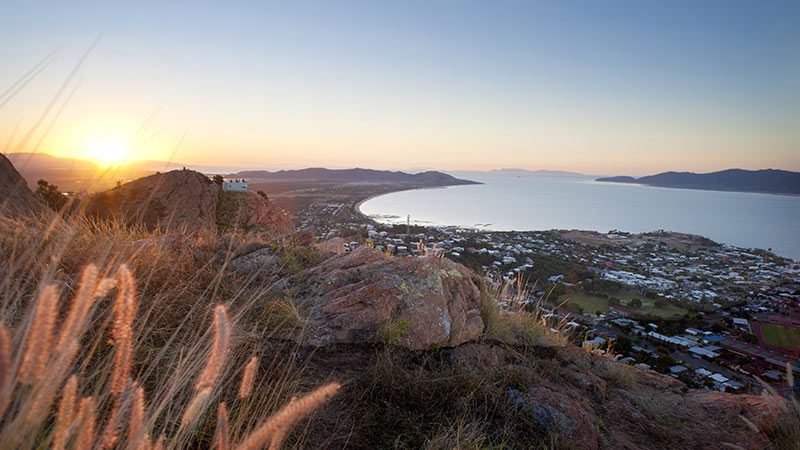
(217, 179)
(622, 344)
(50, 194)
(635, 303)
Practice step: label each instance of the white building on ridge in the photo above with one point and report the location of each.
(234, 185)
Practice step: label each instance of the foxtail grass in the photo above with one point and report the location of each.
(223, 432)
(86, 423)
(272, 432)
(248, 377)
(39, 341)
(125, 308)
(66, 414)
(46, 363)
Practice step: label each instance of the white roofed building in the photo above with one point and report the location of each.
(237, 185)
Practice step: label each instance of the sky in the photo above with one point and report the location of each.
(600, 87)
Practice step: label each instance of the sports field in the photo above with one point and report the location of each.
(781, 336)
(591, 304)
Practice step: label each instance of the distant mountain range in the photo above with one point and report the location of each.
(81, 174)
(541, 172)
(766, 181)
(429, 178)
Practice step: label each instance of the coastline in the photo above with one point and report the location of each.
(356, 205)
(783, 251)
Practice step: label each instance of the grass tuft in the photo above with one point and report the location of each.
(144, 357)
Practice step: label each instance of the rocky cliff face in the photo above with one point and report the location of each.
(417, 303)
(250, 211)
(15, 197)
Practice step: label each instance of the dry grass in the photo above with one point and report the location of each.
(272, 433)
(248, 377)
(618, 374)
(466, 436)
(95, 357)
(507, 319)
(437, 401)
(786, 432)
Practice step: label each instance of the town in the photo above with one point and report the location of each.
(710, 315)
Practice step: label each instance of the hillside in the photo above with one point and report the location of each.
(430, 178)
(185, 200)
(181, 199)
(738, 180)
(15, 196)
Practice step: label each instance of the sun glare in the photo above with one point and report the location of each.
(108, 151)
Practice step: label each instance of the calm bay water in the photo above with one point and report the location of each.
(542, 203)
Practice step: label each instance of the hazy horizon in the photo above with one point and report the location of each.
(211, 168)
(619, 88)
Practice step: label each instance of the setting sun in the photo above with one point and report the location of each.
(108, 151)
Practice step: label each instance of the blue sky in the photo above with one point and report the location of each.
(602, 87)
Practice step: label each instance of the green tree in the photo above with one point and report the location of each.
(635, 303)
(50, 194)
(622, 344)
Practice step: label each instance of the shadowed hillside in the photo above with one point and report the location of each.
(185, 200)
(15, 197)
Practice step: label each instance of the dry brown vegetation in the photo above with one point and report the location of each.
(511, 321)
(121, 354)
(786, 433)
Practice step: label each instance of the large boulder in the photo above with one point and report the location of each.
(15, 197)
(418, 303)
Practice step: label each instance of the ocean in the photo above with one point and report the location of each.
(522, 203)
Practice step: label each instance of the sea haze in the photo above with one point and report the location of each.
(511, 202)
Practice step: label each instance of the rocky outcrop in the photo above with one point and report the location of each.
(177, 200)
(185, 200)
(258, 265)
(15, 197)
(250, 211)
(334, 245)
(417, 303)
(642, 417)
